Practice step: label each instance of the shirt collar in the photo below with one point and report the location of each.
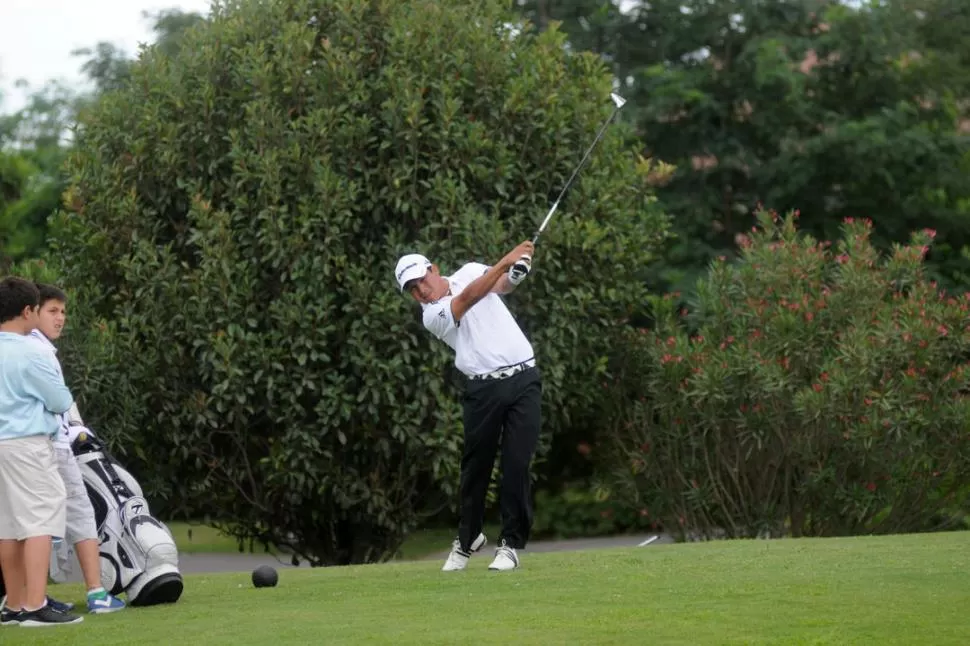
(37, 334)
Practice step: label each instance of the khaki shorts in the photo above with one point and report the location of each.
(80, 514)
(32, 495)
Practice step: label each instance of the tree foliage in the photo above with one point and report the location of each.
(235, 212)
(812, 390)
(834, 108)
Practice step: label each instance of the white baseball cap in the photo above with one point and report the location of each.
(409, 267)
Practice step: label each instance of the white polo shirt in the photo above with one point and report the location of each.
(487, 338)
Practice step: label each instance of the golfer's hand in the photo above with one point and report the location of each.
(522, 263)
(520, 270)
(524, 250)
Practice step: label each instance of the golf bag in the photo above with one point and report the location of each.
(138, 553)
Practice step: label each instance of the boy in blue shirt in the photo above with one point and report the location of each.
(32, 494)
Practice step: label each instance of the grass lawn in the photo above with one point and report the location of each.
(911, 589)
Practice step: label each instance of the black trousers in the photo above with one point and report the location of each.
(506, 413)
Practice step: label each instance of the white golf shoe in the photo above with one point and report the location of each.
(505, 558)
(458, 558)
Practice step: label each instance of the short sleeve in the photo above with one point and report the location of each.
(470, 271)
(439, 319)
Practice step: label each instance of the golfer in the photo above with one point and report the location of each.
(503, 393)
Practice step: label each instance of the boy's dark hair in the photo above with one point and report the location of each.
(50, 293)
(16, 294)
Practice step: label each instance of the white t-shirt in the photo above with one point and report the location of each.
(63, 437)
(487, 338)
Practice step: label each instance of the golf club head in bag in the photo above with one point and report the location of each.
(138, 553)
(523, 266)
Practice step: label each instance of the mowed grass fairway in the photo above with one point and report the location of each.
(912, 589)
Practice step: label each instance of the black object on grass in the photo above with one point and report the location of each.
(265, 577)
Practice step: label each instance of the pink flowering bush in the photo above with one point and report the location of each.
(812, 390)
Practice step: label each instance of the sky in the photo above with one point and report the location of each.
(37, 37)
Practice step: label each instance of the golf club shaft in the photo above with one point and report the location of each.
(569, 182)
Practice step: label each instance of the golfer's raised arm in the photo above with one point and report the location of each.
(481, 286)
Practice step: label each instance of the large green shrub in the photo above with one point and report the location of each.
(812, 390)
(233, 221)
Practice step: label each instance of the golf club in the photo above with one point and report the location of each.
(618, 102)
(521, 267)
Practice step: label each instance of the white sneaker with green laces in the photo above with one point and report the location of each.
(458, 558)
(505, 558)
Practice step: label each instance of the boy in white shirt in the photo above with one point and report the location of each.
(81, 530)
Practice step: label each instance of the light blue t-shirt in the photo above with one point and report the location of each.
(32, 390)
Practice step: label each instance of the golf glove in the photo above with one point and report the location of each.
(520, 270)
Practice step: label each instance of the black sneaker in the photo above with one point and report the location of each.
(59, 606)
(9, 617)
(47, 616)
